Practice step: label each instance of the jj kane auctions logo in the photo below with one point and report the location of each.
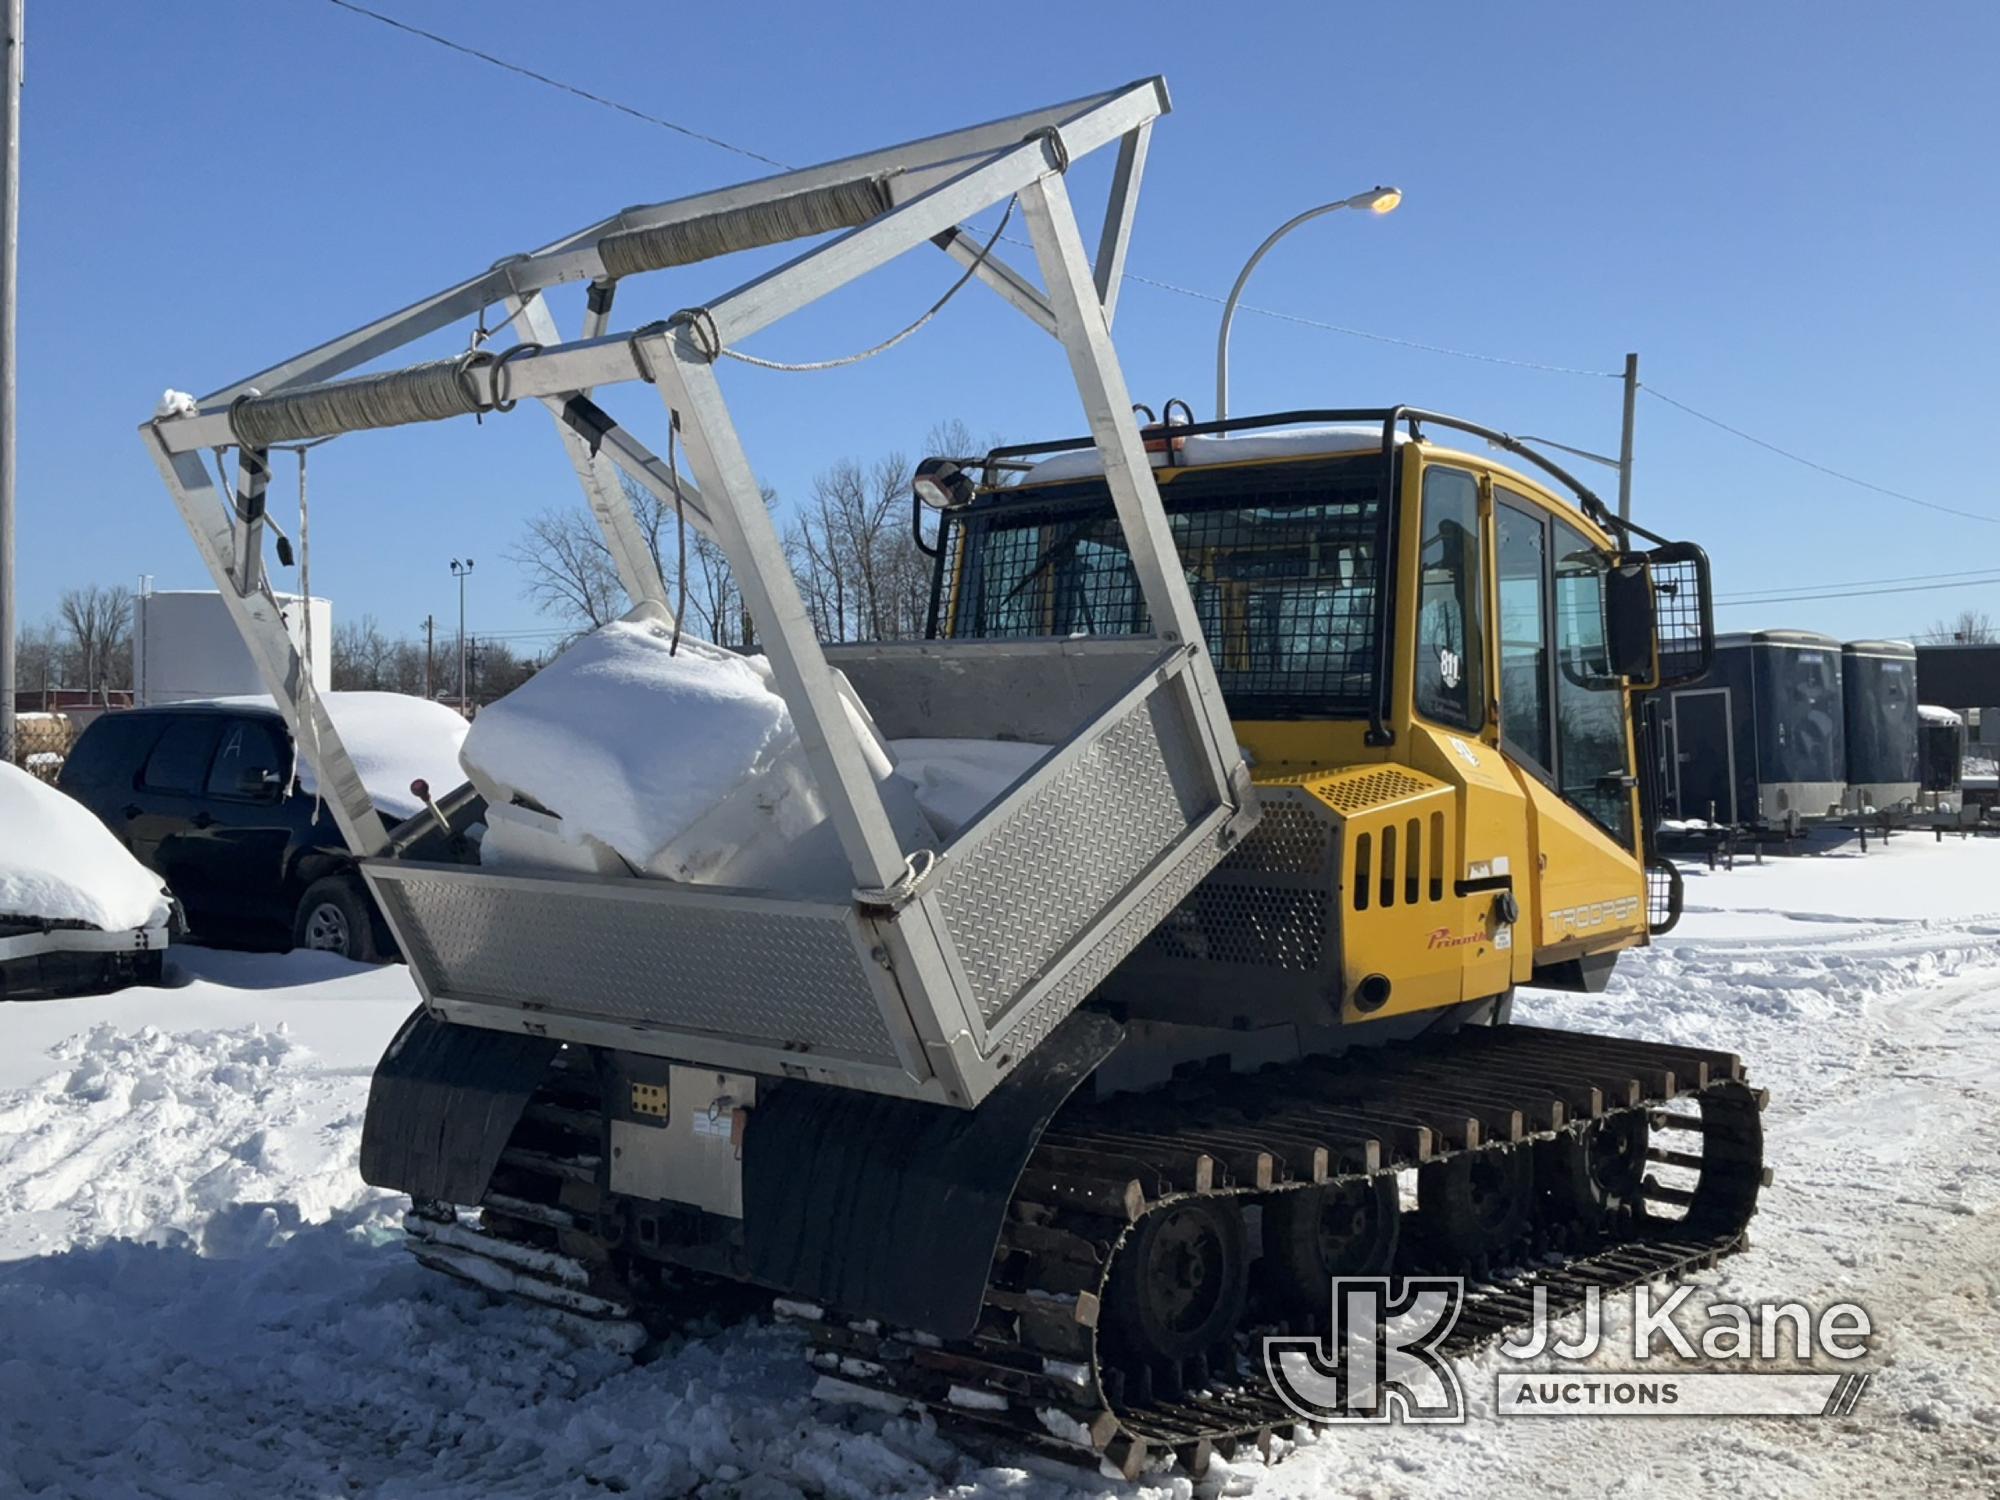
(1385, 1358)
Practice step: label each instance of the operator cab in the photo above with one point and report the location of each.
(1526, 623)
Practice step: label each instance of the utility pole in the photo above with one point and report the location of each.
(1625, 440)
(10, 244)
(461, 571)
(430, 653)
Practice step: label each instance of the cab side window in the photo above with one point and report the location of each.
(1522, 547)
(1451, 621)
(1590, 698)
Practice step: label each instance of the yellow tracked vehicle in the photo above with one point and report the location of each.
(1046, 1119)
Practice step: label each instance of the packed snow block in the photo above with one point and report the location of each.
(956, 780)
(683, 763)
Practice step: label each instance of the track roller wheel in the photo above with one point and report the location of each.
(1176, 1289)
(1476, 1205)
(1591, 1177)
(1316, 1234)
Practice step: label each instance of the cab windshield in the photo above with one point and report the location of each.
(1280, 560)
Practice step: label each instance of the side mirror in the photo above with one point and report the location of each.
(262, 782)
(1629, 636)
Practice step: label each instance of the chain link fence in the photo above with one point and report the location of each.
(42, 742)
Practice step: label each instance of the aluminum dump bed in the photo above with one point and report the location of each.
(939, 974)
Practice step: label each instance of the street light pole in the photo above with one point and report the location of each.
(1378, 201)
(10, 240)
(461, 571)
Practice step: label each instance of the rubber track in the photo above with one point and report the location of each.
(1033, 1373)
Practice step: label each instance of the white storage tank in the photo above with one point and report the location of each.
(185, 646)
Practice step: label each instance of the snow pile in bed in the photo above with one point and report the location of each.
(393, 739)
(59, 864)
(956, 780)
(684, 762)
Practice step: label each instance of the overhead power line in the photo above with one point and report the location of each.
(1362, 333)
(772, 161)
(557, 83)
(1853, 593)
(1799, 458)
(1184, 291)
(1859, 583)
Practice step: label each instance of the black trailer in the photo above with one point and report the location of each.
(1941, 748)
(1760, 739)
(1879, 690)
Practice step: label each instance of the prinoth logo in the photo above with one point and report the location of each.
(1597, 914)
(1444, 937)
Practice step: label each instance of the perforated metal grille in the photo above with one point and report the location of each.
(1266, 927)
(1290, 840)
(1268, 905)
(1354, 794)
(759, 975)
(1280, 561)
(1030, 889)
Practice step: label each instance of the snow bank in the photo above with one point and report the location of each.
(59, 863)
(1279, 442)
(956, 780)
(686, 764)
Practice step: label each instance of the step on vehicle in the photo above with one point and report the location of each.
(1041, 1132)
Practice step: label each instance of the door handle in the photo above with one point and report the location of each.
(202, 820)
(132, 809)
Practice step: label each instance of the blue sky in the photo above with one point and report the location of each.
(1789, 210)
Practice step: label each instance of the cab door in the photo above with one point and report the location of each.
(1564, 723)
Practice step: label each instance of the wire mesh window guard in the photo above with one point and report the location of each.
(1280, 560)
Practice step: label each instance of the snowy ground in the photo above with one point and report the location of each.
(198, 1297)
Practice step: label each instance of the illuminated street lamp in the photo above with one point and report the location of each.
(1377, 201)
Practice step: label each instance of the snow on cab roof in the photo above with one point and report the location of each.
(1247, 447)
(1931, 713)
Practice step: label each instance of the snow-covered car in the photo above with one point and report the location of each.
(77, 913)
(214, 797)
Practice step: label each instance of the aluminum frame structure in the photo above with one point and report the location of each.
(928, 982)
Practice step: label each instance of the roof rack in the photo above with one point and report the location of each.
(1414, 418)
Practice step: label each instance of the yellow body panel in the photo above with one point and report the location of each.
(1579, 892)
(1434, 829)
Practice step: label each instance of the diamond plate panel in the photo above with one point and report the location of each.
(1041, 879)
(1108, 952)
(764, 974)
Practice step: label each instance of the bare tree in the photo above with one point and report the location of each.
(1970, 627)
(364, 658)
(570, 574)
(567, 570)
(98, 622)
(38, 657)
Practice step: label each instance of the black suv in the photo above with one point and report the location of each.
(204, 795)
